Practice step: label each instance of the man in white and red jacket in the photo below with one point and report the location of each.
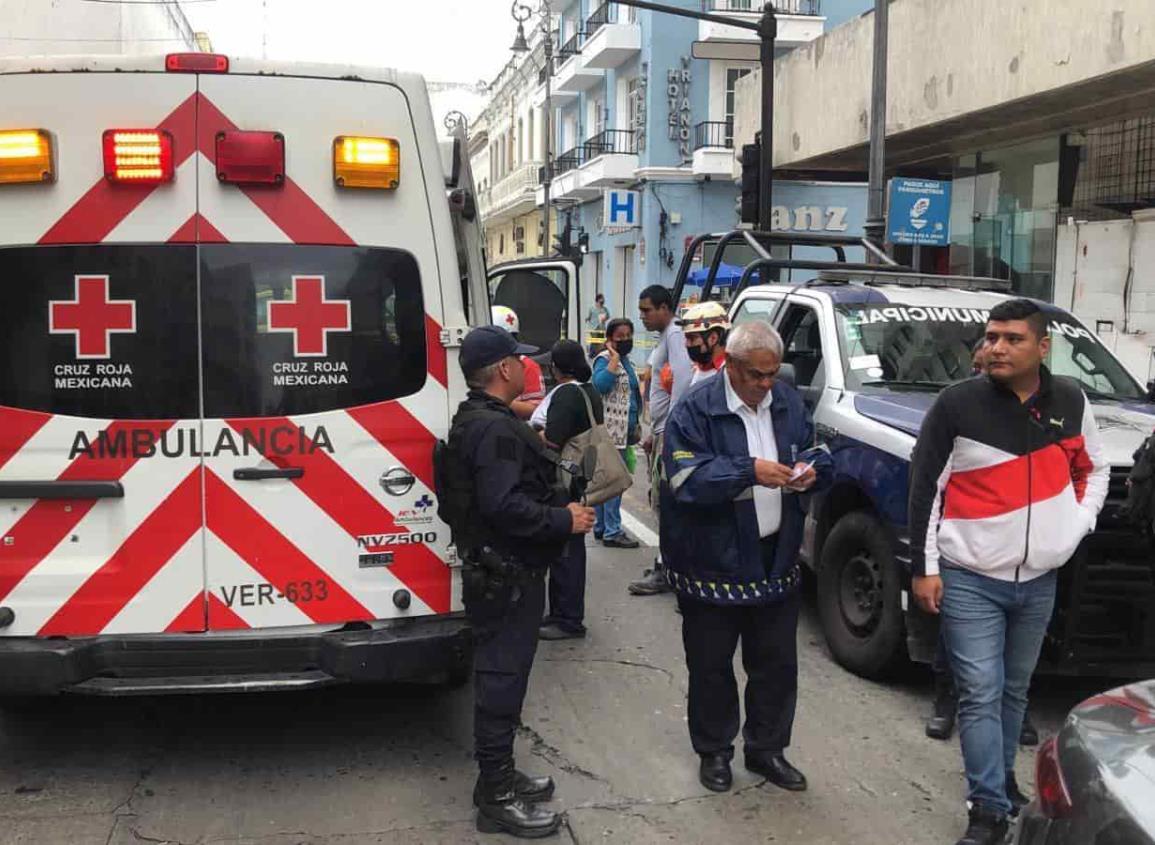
(1007, 478)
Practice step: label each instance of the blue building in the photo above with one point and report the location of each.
(633, 110)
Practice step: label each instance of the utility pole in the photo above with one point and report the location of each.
(876, 198)
(547, 123)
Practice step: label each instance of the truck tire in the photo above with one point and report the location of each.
(860, 597)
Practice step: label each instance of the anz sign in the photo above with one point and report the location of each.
(622, 209)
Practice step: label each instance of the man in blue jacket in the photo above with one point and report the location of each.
(739, 452)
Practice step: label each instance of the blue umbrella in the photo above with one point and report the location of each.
(728, 276)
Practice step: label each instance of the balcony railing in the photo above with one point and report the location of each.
(619, 141)
(569, 160)
(714, 133)
(784, 7)
(606, 13)
(572, 47)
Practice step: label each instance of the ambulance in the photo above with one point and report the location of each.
(231, 296)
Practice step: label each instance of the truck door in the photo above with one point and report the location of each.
(546, 297)
(100, 492)
(323, 368)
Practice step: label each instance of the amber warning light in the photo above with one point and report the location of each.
(140, 156)
(366, 162)
(25, 156)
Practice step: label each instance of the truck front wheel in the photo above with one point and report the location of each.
(860, 597)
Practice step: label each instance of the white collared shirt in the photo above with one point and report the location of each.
(761, 442)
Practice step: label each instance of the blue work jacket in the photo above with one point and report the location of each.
(710, 539)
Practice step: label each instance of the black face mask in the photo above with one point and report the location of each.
(700, 354)
(624, 347)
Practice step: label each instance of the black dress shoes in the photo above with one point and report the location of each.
(775, 769)
(714, 772)
(525, 787)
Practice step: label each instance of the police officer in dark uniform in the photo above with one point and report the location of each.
(509, 519)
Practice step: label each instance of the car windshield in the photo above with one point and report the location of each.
(899, 346)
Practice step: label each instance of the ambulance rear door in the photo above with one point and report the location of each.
(100, 484)
(324, 374)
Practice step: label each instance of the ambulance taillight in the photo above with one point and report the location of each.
(138, 156)
(250, 158)
(26, 156)
(360, 162)
(196, 63)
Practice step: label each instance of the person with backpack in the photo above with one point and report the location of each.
(497, 489)
(569, 415)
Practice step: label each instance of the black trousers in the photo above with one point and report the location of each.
(505, 624)
(710, 634)
(567, 586)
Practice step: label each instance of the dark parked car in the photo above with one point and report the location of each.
(1095, 781)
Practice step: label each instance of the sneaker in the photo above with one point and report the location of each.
(652, 582)
(620, 541)
(941, 723)
(985, 828)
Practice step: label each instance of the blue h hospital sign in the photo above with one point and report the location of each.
(622, 208)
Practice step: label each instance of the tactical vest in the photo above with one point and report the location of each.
(456, 496)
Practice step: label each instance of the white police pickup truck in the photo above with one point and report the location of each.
(870, 349)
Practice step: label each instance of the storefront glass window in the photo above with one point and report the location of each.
(1003, 215)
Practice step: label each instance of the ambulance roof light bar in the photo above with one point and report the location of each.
(196, 63)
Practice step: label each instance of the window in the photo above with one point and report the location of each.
(133, 351)
(802, 337)
(756, 309)
(520, 141)
(361, 341)
(531, 139)
(733, 74)
(540, 300)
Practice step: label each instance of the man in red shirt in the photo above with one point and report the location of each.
(534, 392)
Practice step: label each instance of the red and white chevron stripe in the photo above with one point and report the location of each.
(187, 541)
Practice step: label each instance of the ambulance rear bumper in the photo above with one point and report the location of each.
(421, 650)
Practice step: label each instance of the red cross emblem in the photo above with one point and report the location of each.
(309, 316)
(92, 318)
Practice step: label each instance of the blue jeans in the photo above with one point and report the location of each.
(608, 515)
(994, 631)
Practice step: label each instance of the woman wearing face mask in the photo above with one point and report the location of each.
(616, 381)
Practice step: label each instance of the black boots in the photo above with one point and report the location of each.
(652, 582)
(940, 725)
(1029, 735)
(985, 828)
(1015, 795)
(505, 804)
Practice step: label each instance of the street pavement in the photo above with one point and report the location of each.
(605, 717)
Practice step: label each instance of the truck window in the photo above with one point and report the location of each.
(297, 330)
(104, 331)
(756, 309)
(802, 339)
(538, 297)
